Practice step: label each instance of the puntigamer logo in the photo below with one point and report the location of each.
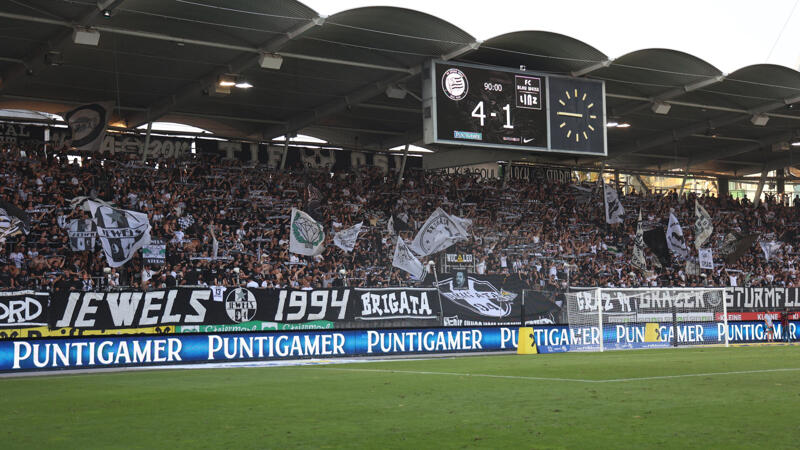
(455, 84)
(240, 304)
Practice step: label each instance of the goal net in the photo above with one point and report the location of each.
(616, 318)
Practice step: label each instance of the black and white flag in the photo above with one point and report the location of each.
(703, 226)
(637, 260)
(706, 258)
(346, 239)
(614, 209)
(13, 221)
(405, 260)
(440, 231)
(675, 241)
(82, 234)
(390, 226)
(770, 248)
(306, 235)
(88, 125)
(121, 232)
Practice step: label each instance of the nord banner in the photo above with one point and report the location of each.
(23, 309)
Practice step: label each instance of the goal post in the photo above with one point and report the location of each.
(626, 318)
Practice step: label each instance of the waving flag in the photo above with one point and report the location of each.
(346, 239)
(440, 231)
(121, 232)
(405, 260)
(675, 240)
(614, 209)
(703, 226)
(306, 235)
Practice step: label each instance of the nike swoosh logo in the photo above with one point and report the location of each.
(526, 140)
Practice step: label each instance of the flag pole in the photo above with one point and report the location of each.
(432, 266)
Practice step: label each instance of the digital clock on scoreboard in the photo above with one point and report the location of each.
(495, 107)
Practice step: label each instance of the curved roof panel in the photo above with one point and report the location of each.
(538, 50)
(166, 56)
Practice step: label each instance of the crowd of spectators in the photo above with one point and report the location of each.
(548, 234)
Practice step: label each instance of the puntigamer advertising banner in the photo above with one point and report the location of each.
(102, 351)
(461, 300)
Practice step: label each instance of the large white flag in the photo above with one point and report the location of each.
(638, 260)
(405, 260)
(675, 241)
(88, 125)
(440, 231)
(121, 232)
(614, 209)
(306, 236)
(706, 258)
(703, 226)
(770, 248)
(346, 239)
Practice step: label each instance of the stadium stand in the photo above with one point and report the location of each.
(546, 233)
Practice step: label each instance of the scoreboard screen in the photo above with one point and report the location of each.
(494, 107)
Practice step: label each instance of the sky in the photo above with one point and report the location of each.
(729, 34)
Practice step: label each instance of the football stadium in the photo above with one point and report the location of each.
(352, 224)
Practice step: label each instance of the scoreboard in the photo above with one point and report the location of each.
(494, 107)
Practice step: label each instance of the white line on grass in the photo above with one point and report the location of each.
(577, 380)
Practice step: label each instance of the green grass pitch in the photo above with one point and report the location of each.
(677, 398)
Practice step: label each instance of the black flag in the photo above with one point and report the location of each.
(656, 241)
(314, 203)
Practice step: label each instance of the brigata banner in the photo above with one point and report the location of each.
(23, 309)
(102, 351)
(395, 303)
(762, 298)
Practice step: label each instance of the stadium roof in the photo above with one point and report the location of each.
(159, 60)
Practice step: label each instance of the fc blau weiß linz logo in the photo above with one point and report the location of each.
(455, 84)
(241, 305)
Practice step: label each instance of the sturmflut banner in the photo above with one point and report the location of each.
(103, 351)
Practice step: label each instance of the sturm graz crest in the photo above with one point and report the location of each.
(241, 305)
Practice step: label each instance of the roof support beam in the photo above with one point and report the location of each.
(695, 128)
(668, 95)
(592, 67)
(34, 61)
(238, 65)
(354, 98)
(733, 151)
